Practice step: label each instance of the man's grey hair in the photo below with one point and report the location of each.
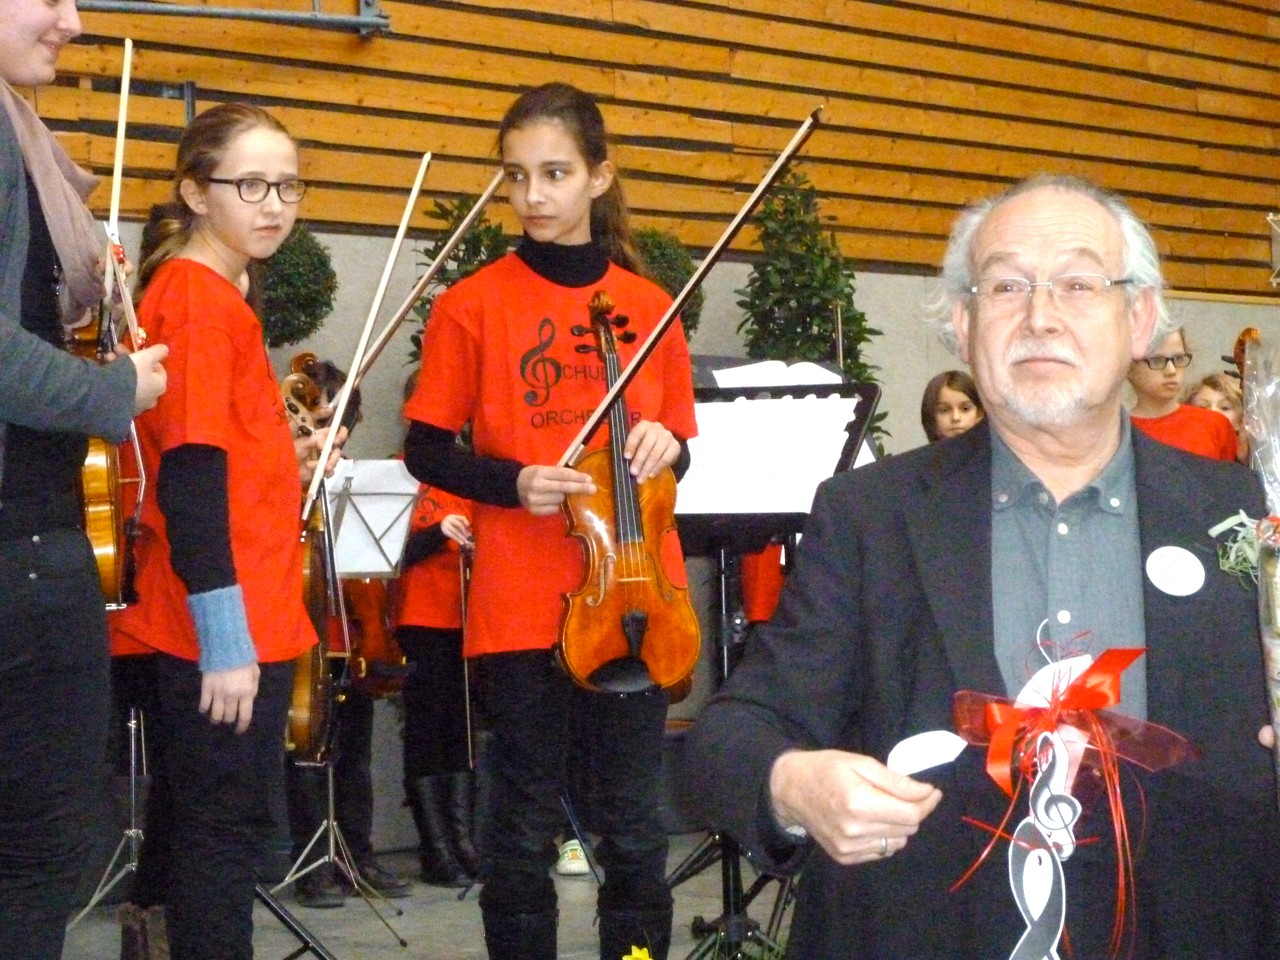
(1139, 256)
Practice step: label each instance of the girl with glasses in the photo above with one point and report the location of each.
(219, 563)
(1157, 382)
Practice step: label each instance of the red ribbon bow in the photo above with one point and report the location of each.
(1010, 731)
(1005, 726)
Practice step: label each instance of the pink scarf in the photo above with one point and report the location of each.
(63, 189)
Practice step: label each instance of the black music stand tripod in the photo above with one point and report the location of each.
(727, 935)
(336, 852)
(761, 453)
(131, 841)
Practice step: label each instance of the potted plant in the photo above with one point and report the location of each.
(671, 267)
(482, 244)
(298, 284)
(799, 286)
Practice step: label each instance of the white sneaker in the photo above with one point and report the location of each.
(572, 861)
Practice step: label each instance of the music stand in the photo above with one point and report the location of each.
(784, 440)
(131, 841)
(370, 502)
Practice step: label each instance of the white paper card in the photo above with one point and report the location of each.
(765, 455)
(932, 748)
(369, 507)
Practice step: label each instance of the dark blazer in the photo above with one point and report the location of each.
(888, 612)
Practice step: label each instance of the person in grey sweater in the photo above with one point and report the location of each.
(53, 655)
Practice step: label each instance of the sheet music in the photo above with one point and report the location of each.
(370, 503)
(764, 455)
(775, 373)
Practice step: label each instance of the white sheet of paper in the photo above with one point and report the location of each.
(775, 373)
(763, 456)
(932, 748)
(1052, 676)
(369, 504)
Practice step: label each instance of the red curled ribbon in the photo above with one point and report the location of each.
(982, 719)
(1009, 730)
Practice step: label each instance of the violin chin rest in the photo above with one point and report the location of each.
(622, 675)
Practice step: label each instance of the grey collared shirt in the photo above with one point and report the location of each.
(1075, 567)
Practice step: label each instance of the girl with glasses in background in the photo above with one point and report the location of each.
(220, 564)
(1157, 382)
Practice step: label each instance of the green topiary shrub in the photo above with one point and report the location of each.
(669, 262)
(298, 286)
(796, 286)
(482, 244)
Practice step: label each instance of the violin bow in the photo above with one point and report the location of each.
(650, 344)
(344, 395)
(419, 288)
(115, 278)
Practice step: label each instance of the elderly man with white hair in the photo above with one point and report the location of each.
(966, 566)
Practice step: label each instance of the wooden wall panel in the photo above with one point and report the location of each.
(927, 106)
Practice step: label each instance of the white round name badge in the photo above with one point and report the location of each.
(1175, 570)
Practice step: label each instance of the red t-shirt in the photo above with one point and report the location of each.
(499, 350)
(222, 392)
(762, 580)
(1194, 429)
(429, 593)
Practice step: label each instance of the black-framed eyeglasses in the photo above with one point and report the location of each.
(1071, 291)
(1157, 362)
(255, 189)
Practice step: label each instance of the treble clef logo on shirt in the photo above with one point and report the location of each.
(537, 369)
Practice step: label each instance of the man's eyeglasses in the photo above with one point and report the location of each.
(255, 189)
(1157, 362)
(1071, 291)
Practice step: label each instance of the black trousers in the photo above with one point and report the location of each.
(435, 702)
(531, 707)
(216, 786)
(54, 707)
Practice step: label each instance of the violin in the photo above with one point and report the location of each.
(628, 628)
(108, 468)
(378, 665)
(311, 700)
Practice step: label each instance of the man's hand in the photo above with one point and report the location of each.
(226, 696)
(152, 378)
(1267, 737)
(542, 489)
(857, 809)
(649, 448)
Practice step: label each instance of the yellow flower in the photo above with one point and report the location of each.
(638, 953)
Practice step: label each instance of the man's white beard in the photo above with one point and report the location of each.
(1045, 405)
(1048, 407)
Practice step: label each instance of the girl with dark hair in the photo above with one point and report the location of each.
(219, 560)
(950, 405)
(500, 350)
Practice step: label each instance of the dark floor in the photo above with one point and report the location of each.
(437, 926)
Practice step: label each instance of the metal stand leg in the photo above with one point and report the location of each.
(131, 841)
(309, 943)
(733, 930)
(338, 854)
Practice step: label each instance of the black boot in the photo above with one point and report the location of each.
(520, 936)
(426, 797)
(623, 930)
(460, 821)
